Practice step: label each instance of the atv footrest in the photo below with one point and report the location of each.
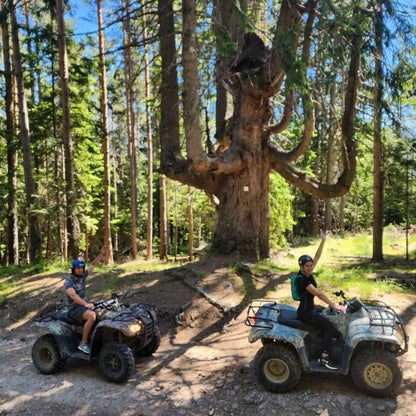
(316, 367)
(79, 354)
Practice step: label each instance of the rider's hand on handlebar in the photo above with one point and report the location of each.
(89, 305)
(341, 308)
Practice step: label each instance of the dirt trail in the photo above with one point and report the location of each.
(203, 366)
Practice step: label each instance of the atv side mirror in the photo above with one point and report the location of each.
(340, 293)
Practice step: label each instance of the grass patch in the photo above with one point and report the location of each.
(346, 263)
(6, 287)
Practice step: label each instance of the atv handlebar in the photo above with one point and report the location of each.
(107, 304)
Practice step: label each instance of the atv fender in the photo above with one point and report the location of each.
(362, 330)
(278, 332)
(282, 334)
(64, 336)
(108, 324)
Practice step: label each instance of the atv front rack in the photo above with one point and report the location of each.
(382, 315)
(385, 317)
(267, 317)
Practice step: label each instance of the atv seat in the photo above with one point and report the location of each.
(63, 316)
(289, 317)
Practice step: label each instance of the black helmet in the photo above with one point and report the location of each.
(304, 259)
(77, 263)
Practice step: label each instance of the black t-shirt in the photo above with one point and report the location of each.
(306, 298)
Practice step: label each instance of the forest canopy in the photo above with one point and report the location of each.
(161, 126)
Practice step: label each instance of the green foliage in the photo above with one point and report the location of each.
(280, 210)
(203, 212)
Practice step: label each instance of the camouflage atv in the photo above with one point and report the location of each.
(373, 337)
(120, 333)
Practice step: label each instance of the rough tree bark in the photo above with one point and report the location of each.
(239, 176)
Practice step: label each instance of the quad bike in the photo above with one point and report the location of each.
(120, 333)
(373, 337)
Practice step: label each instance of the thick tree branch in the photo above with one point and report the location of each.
(284, 45)
(169, 106)
(287, 115)
(308, 111)
(198, 159)
(312, 185)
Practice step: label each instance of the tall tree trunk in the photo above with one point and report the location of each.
(190, 225)
(72, 224)
(342, 216)
(65, 210)
(12, 250)
(105, 146)
(128, 76)
(115, 195)
(164, 240)
(378, 175)
(33, 224)
(176, 230)
(246, 230)
(330, 161)
(341, 167)
(149, 234)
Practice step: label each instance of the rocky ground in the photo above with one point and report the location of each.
(204, 363)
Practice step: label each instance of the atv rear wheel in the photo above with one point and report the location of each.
(277, 368)
(116, 362)
(152, 346)
(46, 355)
(376, 372)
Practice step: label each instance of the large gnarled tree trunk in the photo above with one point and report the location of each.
(238, 177)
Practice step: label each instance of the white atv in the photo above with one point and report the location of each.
(373, 337)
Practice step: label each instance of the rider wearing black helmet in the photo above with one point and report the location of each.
(307, 312)
(77, 303)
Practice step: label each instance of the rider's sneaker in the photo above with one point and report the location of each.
(328, 363)
(84, 348)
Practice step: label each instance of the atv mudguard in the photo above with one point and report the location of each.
(66, 338)
(117, 325)
(283, 334)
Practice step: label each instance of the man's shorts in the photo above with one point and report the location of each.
(76, 312)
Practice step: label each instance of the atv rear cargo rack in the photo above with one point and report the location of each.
(268, 317)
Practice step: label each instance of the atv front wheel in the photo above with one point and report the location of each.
(116, 362)
(46, 355)
(277, 368)
(376, 372)
(152, 346)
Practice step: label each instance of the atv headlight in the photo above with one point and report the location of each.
(400, 335)
(133, 329)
